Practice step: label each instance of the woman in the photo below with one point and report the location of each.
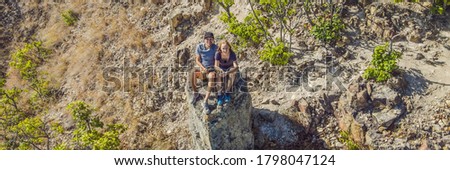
(226, 63)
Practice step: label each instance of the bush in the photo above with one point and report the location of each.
(383, 64)
(247, 32)
(26, 61)
(88, 133)
(327, 27)
(348, 141)
(275, 54)
(69, 17)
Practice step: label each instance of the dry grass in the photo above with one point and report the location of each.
(149, 42)
(55, 32)
(132, 37)
(14, 80)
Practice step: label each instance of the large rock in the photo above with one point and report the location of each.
(387, 117)
(385, 97)
(228, 128)
(414, 37)
(178, 38)
(362, 100)
(231, 126)
(183, 57)
(207, 4)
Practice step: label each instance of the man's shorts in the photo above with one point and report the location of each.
(207, 71)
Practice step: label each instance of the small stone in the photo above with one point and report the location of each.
(266, 101)
(419, 56)
(369, 89)
(178, 38)
(274, 102)
(448, 103)
(427, 4)
(387, 117)
(414, 37)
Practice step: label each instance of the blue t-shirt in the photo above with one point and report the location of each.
(224, 65)
(206, 55)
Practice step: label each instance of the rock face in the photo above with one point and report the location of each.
(366, 107)
(228, 128)
(387, 20)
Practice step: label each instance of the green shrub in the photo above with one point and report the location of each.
(27, 58)
(383, 63)
(437, 9)
(327, 27)
(88, 133)
(26, 61)
(69, 17)
(277, 54)
(248, 32)
(348, 141)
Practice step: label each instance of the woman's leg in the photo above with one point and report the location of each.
(230, 82)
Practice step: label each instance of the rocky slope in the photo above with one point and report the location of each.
(131, 61)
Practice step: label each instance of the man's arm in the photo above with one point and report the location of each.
(199, 63)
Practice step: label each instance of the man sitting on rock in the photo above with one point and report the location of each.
(204, 57)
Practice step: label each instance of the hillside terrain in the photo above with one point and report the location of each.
(131, 62)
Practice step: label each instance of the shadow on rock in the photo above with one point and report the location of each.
(273, 130)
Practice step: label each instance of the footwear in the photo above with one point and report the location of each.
(220, 100)
(227, 98)
(206, 108)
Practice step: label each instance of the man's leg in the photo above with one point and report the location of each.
(196, 74)
(211, 77)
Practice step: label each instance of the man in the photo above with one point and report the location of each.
(204, 58)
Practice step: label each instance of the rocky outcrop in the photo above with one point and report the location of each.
(226, 128)
(386, 20)
(9, 14)
(366, 106)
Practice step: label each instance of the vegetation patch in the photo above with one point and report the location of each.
(69, 17)
(383, 64)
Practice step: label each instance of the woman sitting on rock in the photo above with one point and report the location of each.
(226, 61)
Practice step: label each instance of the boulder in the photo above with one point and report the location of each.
(385, 97)
(362, 100)
(183, 57)
(387, 117)
(178, 38)
(414, 36)
(176, 20)
(303, 106)
(226, 128)
(419, 56)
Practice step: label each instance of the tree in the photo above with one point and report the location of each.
(254, 29)
(88, 133)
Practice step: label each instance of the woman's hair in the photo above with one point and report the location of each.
(219, 50)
